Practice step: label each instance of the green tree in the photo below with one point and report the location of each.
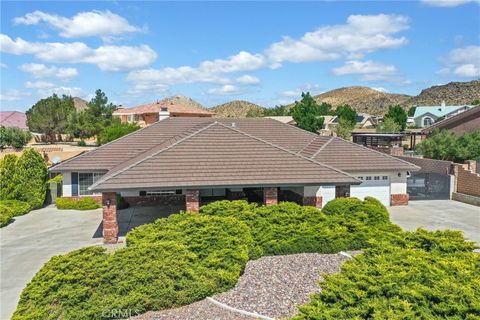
(388, 125)
(31, 178)
(442, 145)
(7, 173)
(411, 111)
(344, 128)
(347, 113)
(307, 114)
(280, 110)
(14, 137)
(398, 114)
(476, 102)
(115, 131)
(468, 146)
(255, 113)
(49, 116)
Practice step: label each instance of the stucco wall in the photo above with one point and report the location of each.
(67, 184)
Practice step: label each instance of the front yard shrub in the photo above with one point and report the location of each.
(10, 209)
(83, 203)
(31, 178)
(7, 172)
(174, 261)
(432, 275)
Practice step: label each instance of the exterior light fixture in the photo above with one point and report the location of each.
(399, 174)
(108, 202)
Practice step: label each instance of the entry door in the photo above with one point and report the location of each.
(342, 191)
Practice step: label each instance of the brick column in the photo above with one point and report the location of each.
(313, 202)
(270, 196)
(192, 200)
(400, 199)
(110, 224)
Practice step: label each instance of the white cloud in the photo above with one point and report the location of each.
(227, 89)
(3, 66)
(447, 3)
(462, 62)
(39, 85)
(361, 34)
(74, 92)
(247, 80)
(296, 93)
(381, 89)
(13, 95)
(368, 70)
(107, 57)
(38, 70)
(83, 24)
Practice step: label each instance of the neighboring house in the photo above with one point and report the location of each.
(13, 119)
(283, 119)
(363, 121)
(467, 121)
(148, 114)
(196, 160)
(427, 115)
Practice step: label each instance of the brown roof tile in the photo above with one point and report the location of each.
(155, 107)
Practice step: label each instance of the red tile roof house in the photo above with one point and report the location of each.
(13, 119)
(150, 113)
(192, 161)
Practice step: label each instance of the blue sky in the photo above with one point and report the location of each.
(213, 52)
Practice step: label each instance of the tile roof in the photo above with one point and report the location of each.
(221, 155)
(13, 119)
(155, 107)
(188, 151)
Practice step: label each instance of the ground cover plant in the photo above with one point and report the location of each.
(188, 256)
(84, 203)
(10, 209)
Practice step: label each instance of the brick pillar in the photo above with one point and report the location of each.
(270, 196)
(192, 200)
(472, 165)
(400, 199)
(313, 202)
(110, 224)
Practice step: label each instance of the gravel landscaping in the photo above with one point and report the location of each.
(271, 286)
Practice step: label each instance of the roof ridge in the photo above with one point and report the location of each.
(288, 151)
(322, 147)
(106, 144)
(373, 150)
(152, 155)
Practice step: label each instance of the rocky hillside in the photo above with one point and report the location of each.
(237, 109)
(362, 99)
(453, 93)
(79, 104)
(185, 101)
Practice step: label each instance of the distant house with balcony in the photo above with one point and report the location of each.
(425, 116)
(147, 114)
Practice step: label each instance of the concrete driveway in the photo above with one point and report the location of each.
(31, 240)
(439, 215)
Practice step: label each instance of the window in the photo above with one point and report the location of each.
(368, 178)
(360, 178)
(376, 178)
(85, 180)
(160, 192)
(427, 121)
(385, 178)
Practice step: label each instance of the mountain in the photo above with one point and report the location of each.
(362, 99)
(79, 104)
(185, 101)
(453, 93)
(237, 108)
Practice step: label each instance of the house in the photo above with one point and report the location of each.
(13, 119)
(363, 121)
(459, 124)
(283, 119)
(426, 115)
(150, 113)
(195, 160)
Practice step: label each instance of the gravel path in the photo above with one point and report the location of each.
(271, 286)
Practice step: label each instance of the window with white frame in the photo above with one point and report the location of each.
(427, 121)
(160, 192)
(360, 178)
(85, 180)
(376, 178)
(368, 178)
(385, 178)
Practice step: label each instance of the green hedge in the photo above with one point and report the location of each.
(425, 275)
(84, 203)
(10, 209)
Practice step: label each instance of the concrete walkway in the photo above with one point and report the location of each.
(31, 240)
(439, 215)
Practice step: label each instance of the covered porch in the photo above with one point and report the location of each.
(161, 203)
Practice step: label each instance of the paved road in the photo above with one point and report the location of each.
(31, 240)
(439, 215)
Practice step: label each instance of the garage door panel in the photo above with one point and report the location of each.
(380, 192)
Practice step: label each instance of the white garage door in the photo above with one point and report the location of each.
(373, 186)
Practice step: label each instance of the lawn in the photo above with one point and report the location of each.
(187, 257)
